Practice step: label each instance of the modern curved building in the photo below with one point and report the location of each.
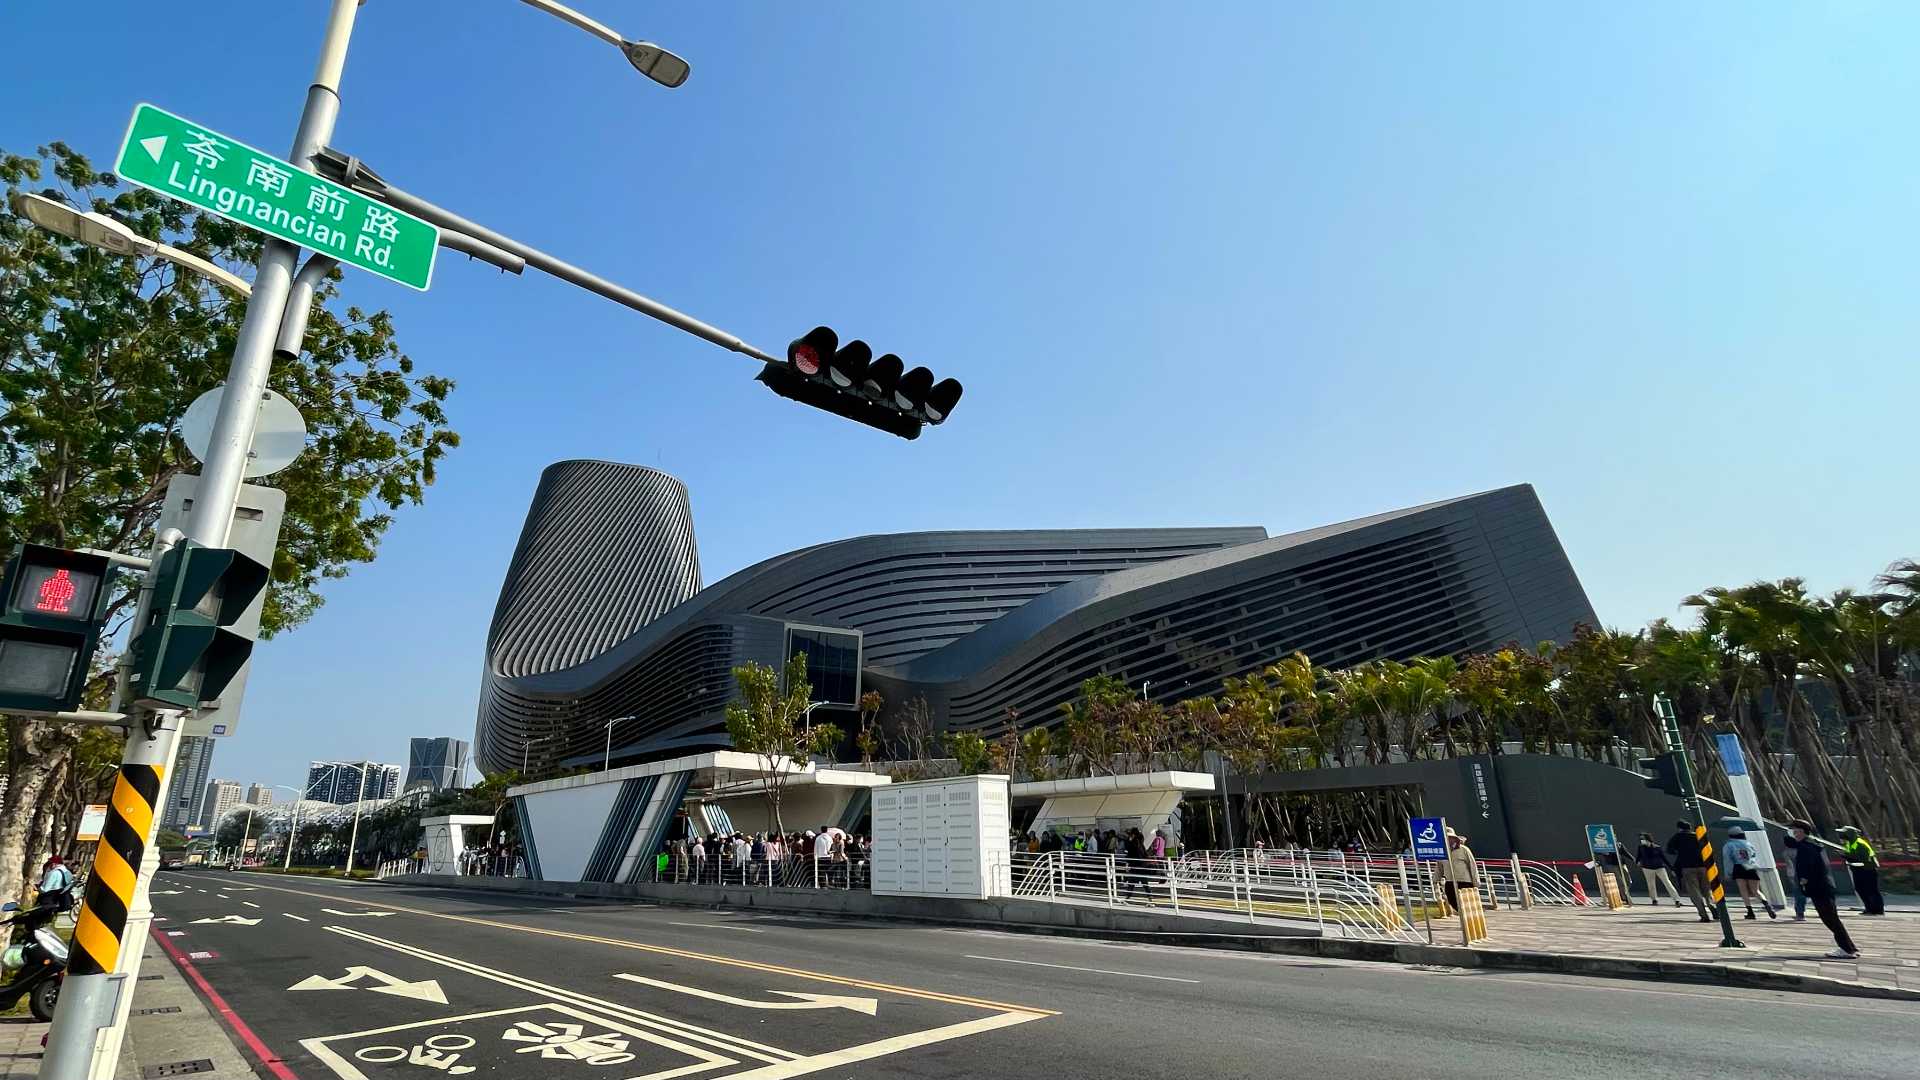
(601, 617)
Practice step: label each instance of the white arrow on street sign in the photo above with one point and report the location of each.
(357, 914)
(232, 920)
(154, 146)
(424, 990)
(802, 1001)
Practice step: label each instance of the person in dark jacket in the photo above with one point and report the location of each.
(1653, 865)
(1684, 849)
(1811, 874)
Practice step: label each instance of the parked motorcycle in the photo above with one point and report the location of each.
(37, 964)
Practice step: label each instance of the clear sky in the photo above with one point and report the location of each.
(1240, 263)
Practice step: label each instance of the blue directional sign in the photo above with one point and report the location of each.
(1600, 839)
(1429, 838)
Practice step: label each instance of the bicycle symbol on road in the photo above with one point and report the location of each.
(438, 1052)
(568, 1042)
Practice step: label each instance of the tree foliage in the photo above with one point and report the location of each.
(100, 355)
(766, 720)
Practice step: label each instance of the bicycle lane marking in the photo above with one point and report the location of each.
(733, 1044)
(773, 1070)
(685, 954)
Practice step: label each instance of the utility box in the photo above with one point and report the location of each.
(947, 837)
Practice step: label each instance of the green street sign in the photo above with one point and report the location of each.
(179, 158)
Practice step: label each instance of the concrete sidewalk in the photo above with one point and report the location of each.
(1889, 944)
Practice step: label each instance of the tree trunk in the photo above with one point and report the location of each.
(33, 748)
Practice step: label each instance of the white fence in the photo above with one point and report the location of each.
(1338, 902)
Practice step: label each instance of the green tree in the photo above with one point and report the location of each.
(99, 358)
(765, 721)
(970, 752)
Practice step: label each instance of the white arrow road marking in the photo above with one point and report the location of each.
(424, 990)
(870, 1006)
(235, 920)
(296, 918)
(357, 914)
(154, 145)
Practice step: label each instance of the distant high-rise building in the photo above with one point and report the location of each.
(339, 782)
(222, 796)
(440, 764)
(259, 795)
(187, 795)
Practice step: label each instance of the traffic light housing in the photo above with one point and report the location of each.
(49, 627)
(1665, 773)
(188, 647)
(850, 381)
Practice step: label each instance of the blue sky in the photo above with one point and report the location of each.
(1256, 263)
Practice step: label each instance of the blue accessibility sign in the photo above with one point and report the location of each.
(1600, 839)
(1429, 838)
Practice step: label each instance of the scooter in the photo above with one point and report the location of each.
(38, 964)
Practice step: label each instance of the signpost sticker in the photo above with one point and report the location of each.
(1429, 838)
(1600, 839)
(221, 175)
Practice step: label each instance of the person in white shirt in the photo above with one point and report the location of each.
(741, 850)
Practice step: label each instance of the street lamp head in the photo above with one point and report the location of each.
(656, 63)
(94, 230)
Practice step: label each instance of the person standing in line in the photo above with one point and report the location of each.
(1743, 868)
(698, 850)
(742, 852)
(1460, 870)
(1653, 866)
(1865, 867)
(1816, 881)
(1684, 849)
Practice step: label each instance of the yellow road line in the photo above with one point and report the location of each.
(663, 950)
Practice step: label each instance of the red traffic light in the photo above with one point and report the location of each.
(808, 352)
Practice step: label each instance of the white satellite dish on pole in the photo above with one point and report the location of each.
(278, 436)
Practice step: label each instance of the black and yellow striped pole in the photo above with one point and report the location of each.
(100, 933)
(1716, 890)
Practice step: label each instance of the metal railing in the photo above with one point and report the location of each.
(1340, 903)
(1504, 883)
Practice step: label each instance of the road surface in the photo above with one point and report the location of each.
(327, 979)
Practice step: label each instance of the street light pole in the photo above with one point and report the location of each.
(353, 837)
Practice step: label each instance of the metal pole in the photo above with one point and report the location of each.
(1678, 743)
(292, 835)
(353, 837)
(244, 834)
(606, 762)
(105, 958)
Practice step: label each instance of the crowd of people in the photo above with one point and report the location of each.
(1133, 844)
(827, 857)
(1804, 869)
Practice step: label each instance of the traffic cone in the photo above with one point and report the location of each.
(1579, 892)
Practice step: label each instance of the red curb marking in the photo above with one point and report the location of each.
(267, 1057)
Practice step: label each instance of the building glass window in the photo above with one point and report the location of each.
(833, 663)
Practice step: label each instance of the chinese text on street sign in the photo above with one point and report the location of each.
(176, 157)
(1429, 838)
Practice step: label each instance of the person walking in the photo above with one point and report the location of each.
(1815, 880)
(1743, 868)
(1865, 867)
(1683, 848)
(1653, 866)
(1460, 870)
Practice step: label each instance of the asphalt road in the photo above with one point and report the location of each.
(376, 982)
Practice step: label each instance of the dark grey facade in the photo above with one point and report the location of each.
(187, 794)
(436, 764)
(342, 782)
(601, 616)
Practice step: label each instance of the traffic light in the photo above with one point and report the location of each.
(850, 381)
(49, 627)
(188, 648)
(1665, 770)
